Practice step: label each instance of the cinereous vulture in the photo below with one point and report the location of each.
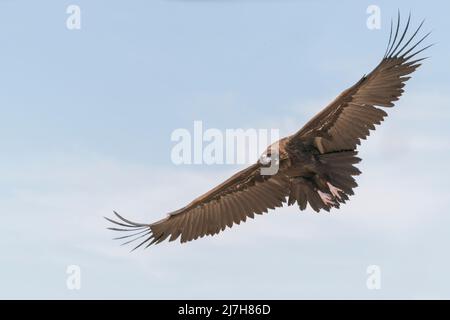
(315, 164)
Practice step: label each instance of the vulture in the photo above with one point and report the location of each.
(316, 165)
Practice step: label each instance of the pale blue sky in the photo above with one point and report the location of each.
(86, 118)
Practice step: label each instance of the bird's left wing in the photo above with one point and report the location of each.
(347, 119)
(246, 193)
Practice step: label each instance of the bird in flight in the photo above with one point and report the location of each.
(315, 164)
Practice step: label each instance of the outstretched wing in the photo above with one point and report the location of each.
(244, 194)
(351, 116)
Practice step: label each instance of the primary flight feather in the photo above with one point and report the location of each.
(316, 164)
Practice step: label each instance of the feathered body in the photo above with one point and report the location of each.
(316, 164)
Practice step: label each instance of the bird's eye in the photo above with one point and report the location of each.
(265, 159)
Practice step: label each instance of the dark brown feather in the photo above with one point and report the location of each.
(316, 163)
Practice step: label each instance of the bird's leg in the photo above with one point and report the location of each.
(334, 191)
(327, 199)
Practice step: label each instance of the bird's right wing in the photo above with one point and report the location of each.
(246, 193)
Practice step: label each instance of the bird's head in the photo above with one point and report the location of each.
(269, 154)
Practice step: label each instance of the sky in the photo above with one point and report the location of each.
(86, 117)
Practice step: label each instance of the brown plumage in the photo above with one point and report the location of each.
(316, 164)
